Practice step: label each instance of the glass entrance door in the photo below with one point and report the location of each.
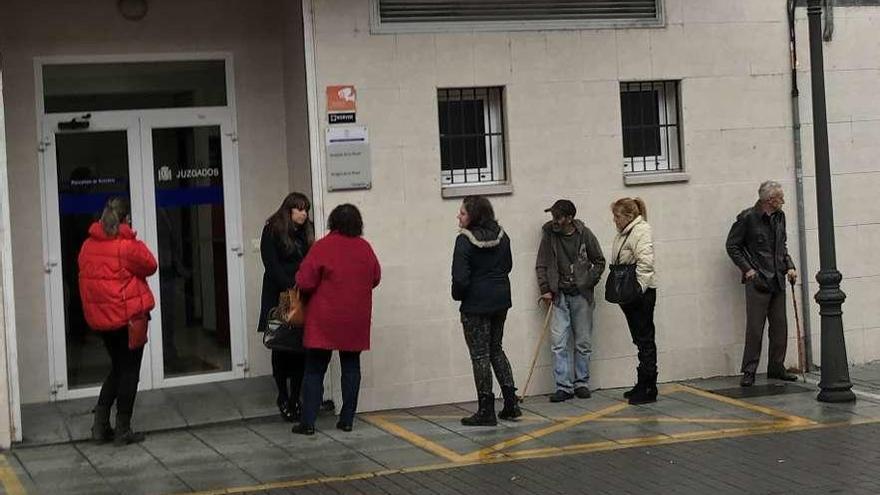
(87, 160)
(177, 172)
(189, 188)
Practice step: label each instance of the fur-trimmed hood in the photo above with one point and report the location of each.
(484, 237)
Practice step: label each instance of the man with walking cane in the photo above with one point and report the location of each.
(757, 245)
(570, 263)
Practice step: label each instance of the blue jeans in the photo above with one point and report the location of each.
(313, 384)
(572, 316)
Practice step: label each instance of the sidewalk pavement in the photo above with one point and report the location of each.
(700, 436)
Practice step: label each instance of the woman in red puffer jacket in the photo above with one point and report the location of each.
(113, 268)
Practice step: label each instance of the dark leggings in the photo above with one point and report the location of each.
(287, 369)
(640, 318)
(313, 384)
(483, 334)
(121, 384)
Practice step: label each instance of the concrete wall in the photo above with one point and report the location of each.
(564, 135)
(252, 31)
(295, 100)
(5, 264)
(852, 72)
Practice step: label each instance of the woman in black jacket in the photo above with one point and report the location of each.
(480, 267)
(287, 237)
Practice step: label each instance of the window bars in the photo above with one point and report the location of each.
(472, 145)
(650, 112)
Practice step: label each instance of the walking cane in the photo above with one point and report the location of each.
(802, 365)
(538, 349)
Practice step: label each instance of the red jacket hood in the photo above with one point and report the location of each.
(96, 231)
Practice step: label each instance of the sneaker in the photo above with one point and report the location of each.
(561, 396)
(748, 379)
(582, 393)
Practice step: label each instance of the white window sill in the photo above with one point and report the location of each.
(635, 179)
(474, 189)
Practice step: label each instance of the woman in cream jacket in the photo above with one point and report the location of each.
(634, 245)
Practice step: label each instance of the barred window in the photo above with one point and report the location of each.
(472, 147)
(650, 112)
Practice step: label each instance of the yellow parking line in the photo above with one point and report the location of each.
(602, 446)
(619, 419)
(494, 449)
(769, 411)
(11, 483)
(413, 438)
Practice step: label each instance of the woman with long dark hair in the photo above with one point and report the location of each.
(113, 270)
(481, 264)
(287, 237)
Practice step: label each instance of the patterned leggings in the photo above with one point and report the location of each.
(483, 334)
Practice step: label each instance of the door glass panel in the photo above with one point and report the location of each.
(191, 231)
(92, 166)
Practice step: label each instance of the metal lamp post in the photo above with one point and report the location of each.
(835, 384)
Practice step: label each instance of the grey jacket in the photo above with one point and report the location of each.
(587, 270)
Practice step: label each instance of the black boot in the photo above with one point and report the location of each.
(511, 404)
(637, 387)
(648, 392)
(101, 430)
(485, 415)
(285, 410)
(124, 434)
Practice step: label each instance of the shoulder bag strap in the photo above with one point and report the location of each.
(620, 249)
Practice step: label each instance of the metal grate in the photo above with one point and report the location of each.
(394, 14)
(472, 148)
(650, 113)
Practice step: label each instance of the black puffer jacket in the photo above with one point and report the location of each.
(480, 267)
(750, 244)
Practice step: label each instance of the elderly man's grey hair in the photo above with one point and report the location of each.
(768, 189)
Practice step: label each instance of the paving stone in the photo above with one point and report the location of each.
(213, 476)
(43, 424)
(253, 397)
(204, 404)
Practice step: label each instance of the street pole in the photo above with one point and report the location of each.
(835, 384)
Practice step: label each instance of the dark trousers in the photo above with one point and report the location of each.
(640, 319)
(313, 384)
(120, 386)
(483, 334)
(287, 370)
(765, 307)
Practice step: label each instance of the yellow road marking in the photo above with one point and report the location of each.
(769, 411)
(617, 419)
(413, 438)
(532, 435)
(11, 483)
(491, 455)
(546, 452)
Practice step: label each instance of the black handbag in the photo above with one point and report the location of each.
(622, 286)
(281, 336)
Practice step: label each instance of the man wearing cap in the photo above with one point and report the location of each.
(570, 263)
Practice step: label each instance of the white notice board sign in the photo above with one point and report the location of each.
(348, 158)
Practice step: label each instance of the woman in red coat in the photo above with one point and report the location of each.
(339, 275)
(113, 268)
